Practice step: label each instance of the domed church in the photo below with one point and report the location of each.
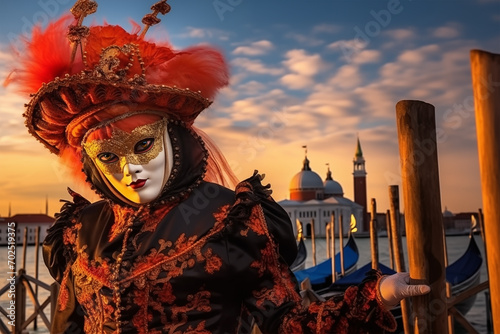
(315, 199)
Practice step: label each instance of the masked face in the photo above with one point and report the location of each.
(135, 164)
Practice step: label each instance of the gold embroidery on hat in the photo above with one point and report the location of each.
(77, 32)
(122, 144)
(109, 64)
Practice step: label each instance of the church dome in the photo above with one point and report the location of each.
(306, 179)
(332, 187)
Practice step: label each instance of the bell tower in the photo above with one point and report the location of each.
(359, 173)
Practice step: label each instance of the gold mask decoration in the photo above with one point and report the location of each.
(111, 155)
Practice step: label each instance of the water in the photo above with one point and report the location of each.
(456, 246)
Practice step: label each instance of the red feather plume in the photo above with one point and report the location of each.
(47, 55)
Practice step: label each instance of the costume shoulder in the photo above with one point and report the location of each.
(58, 244)
(250, 193)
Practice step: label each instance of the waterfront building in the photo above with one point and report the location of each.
(312, 199)
(28, 222)
(359, 173)
(459, 223)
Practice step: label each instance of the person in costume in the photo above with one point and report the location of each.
(169, 248)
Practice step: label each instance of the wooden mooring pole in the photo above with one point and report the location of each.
(424, 221)
(373, 234)
(327, 234)
(37, 250)
(313, 242)
(389, 238)
(397, 245)
(341, 244)
(485, 68)
(332, 241)
(25, 247)
(20, 303)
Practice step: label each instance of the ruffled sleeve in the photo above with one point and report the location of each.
(357, 311)
(266, 247)
(251, 193)
(59, 254)
(58, 246)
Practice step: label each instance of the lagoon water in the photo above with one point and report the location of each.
(456, 246)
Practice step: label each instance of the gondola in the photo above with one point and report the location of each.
(465, 273)
(300, 261)
(320, 275)
(354, 278)
(462, 274)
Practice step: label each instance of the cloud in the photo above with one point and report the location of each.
(5, 57)
(346, 77)
(400, 34)
(311, 39)
(366, 57)
(205, 33)
(254, 49)
(197, 33)
(300, 62)
(255, 66)
(347, 47)
(417, 56)
(7, 62)
(353, 51)
(296, 81)
(326, 28)
(303, 66)
(450, 31)
(251, 88)
(305, 40)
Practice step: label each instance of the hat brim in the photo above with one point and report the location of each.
(62, 111)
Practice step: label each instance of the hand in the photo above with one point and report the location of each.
(395, 287)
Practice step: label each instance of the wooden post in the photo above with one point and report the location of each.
(451, 327)
(341, 244)
(15, 242)
(424, 220)
(327, 233)
(485, 68)
(480, 218)
(37, 250)
(373, 234)
(399, 259)
(25, 247)
(313, 242)
(397, 244)
(20, 303)
(389, 238)
(489, 323)
(332, 240)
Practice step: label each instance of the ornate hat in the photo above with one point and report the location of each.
(84, 76)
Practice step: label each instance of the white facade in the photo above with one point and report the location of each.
(321, 211)
(24, 222)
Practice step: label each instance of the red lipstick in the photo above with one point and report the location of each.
(137, 184)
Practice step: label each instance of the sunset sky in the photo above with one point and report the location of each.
(316, 73)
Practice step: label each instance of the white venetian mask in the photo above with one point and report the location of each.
(135, 164)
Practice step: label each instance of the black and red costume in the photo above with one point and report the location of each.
(201, 259)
